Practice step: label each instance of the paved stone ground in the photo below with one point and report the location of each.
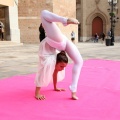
(21, 59)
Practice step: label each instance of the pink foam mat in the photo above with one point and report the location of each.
(98, 92)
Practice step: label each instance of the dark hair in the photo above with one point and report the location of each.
(62, 57)
(42, 32)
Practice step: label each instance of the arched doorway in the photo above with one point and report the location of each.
(97, 26)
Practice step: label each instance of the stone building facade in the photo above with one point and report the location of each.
(28, 19)
(95, 18)
(23, 19)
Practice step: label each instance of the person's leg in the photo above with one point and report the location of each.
(95, 39)
(74, 40)
(51, 29)
(2, 36)
(74, 54)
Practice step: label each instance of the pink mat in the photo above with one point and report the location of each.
(98, 91)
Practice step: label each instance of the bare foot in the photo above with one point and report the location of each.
(74, 97)
(40, 97)
(59, 89)
(72, 21)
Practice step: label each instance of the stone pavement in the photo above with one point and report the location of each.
(21, 59)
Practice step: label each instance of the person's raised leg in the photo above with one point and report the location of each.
(51, 29)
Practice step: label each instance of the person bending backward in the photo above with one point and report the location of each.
(51, 65)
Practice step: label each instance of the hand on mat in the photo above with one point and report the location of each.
(59, 89)
(40, 97)
(72, 21)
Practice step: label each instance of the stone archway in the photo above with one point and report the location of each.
(96, 14)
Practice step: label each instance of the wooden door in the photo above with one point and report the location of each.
(97, 26)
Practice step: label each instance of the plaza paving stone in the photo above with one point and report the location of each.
(22, 59)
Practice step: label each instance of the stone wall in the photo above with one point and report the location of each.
(7, 2)
(29, 16)
(66, 8)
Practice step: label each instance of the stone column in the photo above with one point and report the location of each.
(11, 16)
(83, 21)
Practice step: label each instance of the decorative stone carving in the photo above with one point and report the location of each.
(97, 1)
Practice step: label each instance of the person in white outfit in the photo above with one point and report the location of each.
(49, 68)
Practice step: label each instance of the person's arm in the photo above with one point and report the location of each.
(55, 81)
